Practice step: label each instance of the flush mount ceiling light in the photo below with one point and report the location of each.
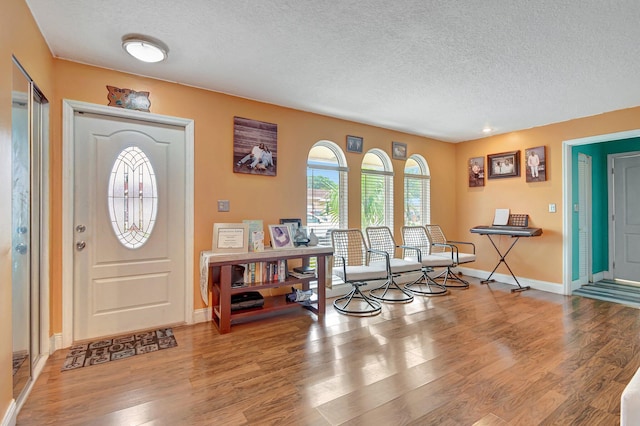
(144, 48)
(487, 130)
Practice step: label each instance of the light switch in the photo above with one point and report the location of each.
(223, 205)
(552, 208)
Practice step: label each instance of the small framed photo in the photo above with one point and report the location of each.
(536, 166)
(476, 171)
(230, 238)
(504, 164)
(281, 237)
(354, 144)
(399, 150)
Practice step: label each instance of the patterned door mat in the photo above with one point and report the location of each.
(106, 350)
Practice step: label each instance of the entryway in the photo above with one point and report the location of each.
(128, 221)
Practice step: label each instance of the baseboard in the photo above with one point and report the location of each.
(550, 287)
(201, 315)
(55, 343)
(10, 415)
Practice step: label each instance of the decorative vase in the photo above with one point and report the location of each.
(313, 239)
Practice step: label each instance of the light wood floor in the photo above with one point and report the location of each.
(478, 356)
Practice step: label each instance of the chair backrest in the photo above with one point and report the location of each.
(436, 236)
(348, 245)
(381, 238)
(415, 236)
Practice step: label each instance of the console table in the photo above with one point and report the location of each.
(220, 266)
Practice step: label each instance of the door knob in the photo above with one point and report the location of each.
(80, 245)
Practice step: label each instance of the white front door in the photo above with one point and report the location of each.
(128, 226)
(626, 217)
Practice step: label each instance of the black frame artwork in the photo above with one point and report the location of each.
(503, 165)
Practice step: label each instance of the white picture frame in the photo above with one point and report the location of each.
(230, 238)
(281, 237)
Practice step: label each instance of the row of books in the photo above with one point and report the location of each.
(263, 272)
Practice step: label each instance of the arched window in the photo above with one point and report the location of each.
(417, 191)
(326, 190)
(377, 189)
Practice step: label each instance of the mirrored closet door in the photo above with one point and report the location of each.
(29, 121)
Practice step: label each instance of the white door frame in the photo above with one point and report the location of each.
(567, 187)
(69, 108)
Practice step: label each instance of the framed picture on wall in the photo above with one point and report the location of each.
(536, 164)
(399, 150)
(476, 171)
(354, 144)
(504, 164)
(255, 147)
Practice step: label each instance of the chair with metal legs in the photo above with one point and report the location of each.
(416, 245)
(352, 264)
(443, 247)
(381, 239)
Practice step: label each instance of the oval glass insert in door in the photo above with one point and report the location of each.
(133, 197)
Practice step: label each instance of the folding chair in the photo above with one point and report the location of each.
(381, 240)
(443, 247)
(352, 264)
(416, 245)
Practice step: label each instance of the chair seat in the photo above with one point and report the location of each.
(399, 266)
(374, 271)
(437, 261)
(461, 258)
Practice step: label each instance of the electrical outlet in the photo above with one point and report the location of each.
(223, 205)
(552, 208)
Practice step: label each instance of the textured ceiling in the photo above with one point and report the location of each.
(441, 69)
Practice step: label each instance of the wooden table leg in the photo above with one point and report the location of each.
(322, 284)
(225, 299)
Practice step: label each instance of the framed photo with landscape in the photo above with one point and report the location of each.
(281, 237)
(536, 164)
(503, 165)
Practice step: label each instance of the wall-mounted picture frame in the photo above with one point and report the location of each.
(476, 171)
(503, 165)
(230, 238)
(255, 147)
(399, 150)
(536, 164)
(281, 237)
(355, 144)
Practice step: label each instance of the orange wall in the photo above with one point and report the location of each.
(454, 205)
(537, 258)
(19, 36)
(251, 197)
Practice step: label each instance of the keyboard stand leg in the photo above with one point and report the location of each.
(502, 260)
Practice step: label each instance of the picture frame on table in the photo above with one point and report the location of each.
(281, 237)
(503, 165)
(230, 238)
(399, 150)
(354, 144)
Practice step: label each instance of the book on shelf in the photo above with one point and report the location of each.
(257, 273)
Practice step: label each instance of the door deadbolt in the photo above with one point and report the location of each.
(81, 245)
(81, 228)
